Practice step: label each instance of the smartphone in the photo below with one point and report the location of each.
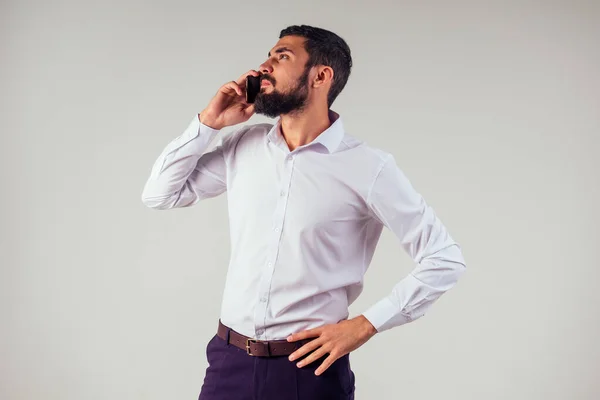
(252, 88)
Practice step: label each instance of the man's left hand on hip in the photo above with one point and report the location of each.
(337, 340)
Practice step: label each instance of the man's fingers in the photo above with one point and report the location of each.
(242, 79)
(238, 87)
(312, 357)
(308, 347)
(232, 87)
(326, 364)
(305, 334)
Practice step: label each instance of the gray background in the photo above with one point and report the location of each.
(491, 109)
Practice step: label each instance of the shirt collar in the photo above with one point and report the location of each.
(330, 138)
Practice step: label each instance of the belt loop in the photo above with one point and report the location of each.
(227, 340)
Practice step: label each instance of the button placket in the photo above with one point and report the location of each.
(266, 279)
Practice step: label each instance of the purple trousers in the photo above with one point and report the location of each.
(234, 375)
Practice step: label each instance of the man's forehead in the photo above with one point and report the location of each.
(295, 44)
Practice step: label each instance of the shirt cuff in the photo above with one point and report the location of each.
(195, 129)
(384, 315)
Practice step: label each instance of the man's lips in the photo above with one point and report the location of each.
(265, 83)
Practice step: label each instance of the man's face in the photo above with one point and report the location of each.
(284, 80)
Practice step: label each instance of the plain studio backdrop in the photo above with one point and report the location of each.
(490, 108)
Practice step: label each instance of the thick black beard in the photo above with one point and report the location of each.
(276, 103)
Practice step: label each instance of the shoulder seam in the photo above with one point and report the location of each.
(384, 161)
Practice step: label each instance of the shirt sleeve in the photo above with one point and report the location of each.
(185, 173)
(395, 203)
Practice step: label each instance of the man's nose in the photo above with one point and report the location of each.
(265, 68)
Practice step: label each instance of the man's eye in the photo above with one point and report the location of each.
(283, 55)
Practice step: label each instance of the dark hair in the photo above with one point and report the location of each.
(325, 48)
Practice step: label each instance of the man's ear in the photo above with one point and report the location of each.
(323, 76)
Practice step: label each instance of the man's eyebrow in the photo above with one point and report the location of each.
(282, 49)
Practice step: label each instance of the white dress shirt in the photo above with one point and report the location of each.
(304, 225)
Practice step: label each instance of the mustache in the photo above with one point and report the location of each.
(268, 78)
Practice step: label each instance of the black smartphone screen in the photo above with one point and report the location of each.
(252, 87)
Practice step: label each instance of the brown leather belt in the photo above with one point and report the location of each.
(258, 348)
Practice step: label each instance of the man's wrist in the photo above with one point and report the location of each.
(368, 327)
(208, 120)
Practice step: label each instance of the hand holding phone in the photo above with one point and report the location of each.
(233, 102)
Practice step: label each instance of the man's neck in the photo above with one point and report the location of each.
(303, 128)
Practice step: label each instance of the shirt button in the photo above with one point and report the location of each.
(276, 229)
(282, 193)
(263, 299)
(260, 332)
(270, 264)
